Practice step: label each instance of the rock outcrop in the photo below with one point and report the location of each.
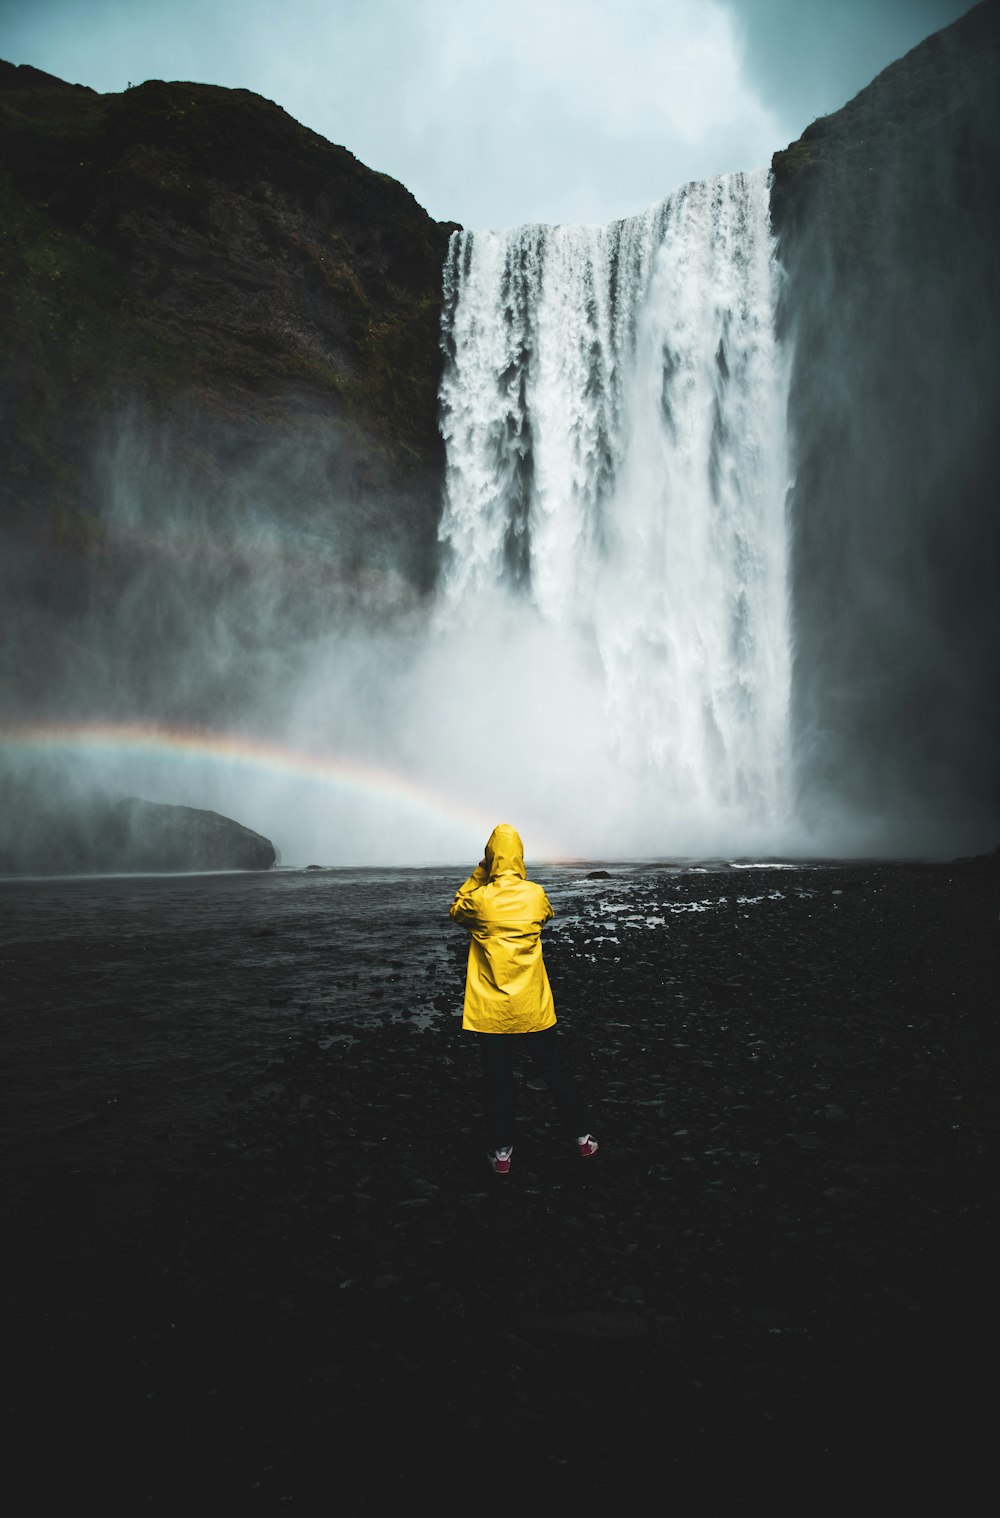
(43, 833)
(147, 835)
(888, 222)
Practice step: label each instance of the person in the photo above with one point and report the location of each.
(508, 999)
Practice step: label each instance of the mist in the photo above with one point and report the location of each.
(596, 650)
(711, 571)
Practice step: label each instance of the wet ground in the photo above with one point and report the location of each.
(256, 1260)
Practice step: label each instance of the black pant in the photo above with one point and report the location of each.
(497, 1050)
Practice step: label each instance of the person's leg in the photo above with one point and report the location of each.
(497, 1054)
(547, 1058)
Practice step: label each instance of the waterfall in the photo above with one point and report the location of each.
(613, 408)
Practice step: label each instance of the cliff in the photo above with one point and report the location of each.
(190, 259)
(888, 223)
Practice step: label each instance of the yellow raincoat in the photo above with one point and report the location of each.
(506, 987)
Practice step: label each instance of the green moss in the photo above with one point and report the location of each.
(123, 220)
(399, 375)
(61, 292)
(54, 116)
(173, 181)
(793, 159)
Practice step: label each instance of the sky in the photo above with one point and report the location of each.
(499, 114)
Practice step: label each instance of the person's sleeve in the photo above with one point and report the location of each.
(463, 908)
(547, 910)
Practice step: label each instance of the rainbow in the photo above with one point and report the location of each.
(240, 749)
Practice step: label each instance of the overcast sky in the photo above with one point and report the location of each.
(495, 112)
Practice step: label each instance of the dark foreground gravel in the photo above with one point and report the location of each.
(771, 1289)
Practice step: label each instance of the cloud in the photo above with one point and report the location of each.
(492, 115)
(638, 68)
(814, 57)
(572, 111)
(555, 110)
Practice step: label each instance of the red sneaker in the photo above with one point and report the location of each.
(500, 1159)
(586, 1146)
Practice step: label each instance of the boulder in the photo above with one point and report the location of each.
(47, 830)
(148, 835)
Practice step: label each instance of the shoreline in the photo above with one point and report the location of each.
(775, 1275)
(710, 863)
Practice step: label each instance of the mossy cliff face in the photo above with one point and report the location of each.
(888, 222)
(191, 257)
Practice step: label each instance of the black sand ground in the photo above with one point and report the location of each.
(771, 1288)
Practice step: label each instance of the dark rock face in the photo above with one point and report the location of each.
(214, 315)
(146, 835)
(888, 222)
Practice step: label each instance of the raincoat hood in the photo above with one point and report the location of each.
(504, 852)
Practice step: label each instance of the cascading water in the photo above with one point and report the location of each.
(613, 407)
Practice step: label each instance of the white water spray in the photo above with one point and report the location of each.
(606, 661)
(614, 413)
